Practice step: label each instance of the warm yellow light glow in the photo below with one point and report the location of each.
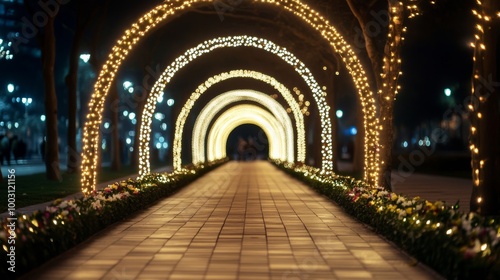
(153, 18)
(245, 114)
(183, 115)
(217, 104)
(483, 23)
(226, 42)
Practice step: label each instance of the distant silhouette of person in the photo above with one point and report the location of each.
(43, 152)
(242, 145)
(19, 149)
(1, 150)
(5, 147)
(13, 146)
(251, 149)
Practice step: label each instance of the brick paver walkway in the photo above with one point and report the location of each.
(242, 221)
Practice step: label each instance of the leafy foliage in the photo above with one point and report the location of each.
(62, 225)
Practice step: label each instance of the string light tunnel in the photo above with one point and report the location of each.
(202, 88)
(285, 93)
(150, 20)
(246, 114)
(217, 104)
(227, 42)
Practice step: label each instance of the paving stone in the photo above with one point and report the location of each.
(242, 221)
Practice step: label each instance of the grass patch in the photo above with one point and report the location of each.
(34, 189)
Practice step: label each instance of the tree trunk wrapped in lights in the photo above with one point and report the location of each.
(386, 66)
(116, 145)
(485, 115)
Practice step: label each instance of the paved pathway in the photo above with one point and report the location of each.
(241, 221)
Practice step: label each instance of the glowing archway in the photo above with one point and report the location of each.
(245, 114)
(91, 136)
(226, 42)
(217, 104)
(179, 125)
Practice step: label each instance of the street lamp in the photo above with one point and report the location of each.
(447, 92)
(85, 57)
(10, 88)
(339, 114)
(26, 102)
(127, 85)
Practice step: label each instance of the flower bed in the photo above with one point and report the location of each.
(45, 234)
(456, 245)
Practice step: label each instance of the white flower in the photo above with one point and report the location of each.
(51, 209)
(419, 207)
(406, 204)
(96, 204)
(382, 193)
(402, 213)
(400, 199)
(63, 204)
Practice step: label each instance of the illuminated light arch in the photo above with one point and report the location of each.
(217, 104)
(226, 42)
(159, 14)
(292, 103)
(245, 114)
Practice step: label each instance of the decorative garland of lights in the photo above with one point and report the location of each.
(246, 114)
(217, 104)
(299, 118)
(484, 18)
(225, 42)
(139, 29)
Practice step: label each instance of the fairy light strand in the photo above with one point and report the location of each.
(153, 18)
(202, 88)
(246, 114)
(484, 17)
(233, 42)
(218, 103)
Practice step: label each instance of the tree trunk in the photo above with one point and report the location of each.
(140, 100)
(485, 118)
(359, 143)
(386, 142)
(134, 161)
(48, 60)
(318, 145)
(332, 101)
(72, 84)
(116, 146)
(386, 67)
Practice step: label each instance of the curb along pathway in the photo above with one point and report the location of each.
(241, 221)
